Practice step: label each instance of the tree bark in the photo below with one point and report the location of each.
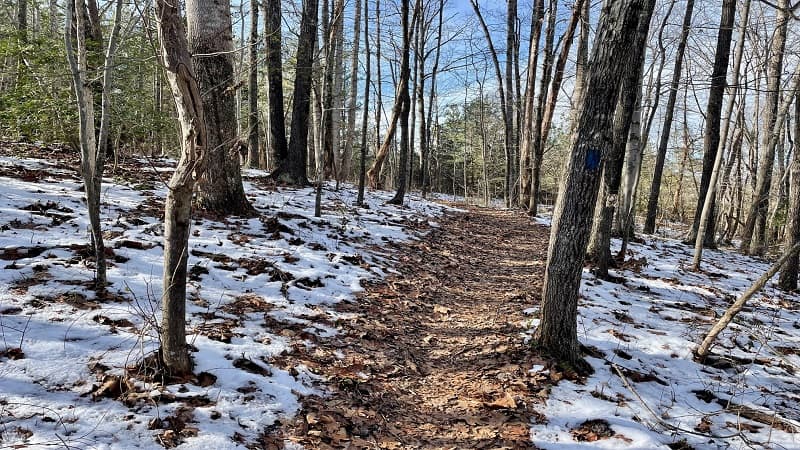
(254, 151)
(591, 142)
(292, 170)
(362, 170)
(753, 235)
(272, 44)
(711, 138)
(405, 103)
(788, 278)
(211, 43)
(655, 187)
(178, 207)
(600, 241)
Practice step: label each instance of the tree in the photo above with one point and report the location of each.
(254, 153)
(557, 333)
(347, 154)
(178, 206)
(404, 100)
(528, 121)
(788, 276)
(292, 169)
(93, 141)
(600, 242)
(754, 233)
(211, 45)
(711, 138)
(362, 171)
(272, 39)
(661, 155)
(705, 224)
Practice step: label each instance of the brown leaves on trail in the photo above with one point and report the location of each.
(593, 430)
(433, 356)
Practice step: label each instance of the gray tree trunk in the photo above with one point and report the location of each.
(753, 235)
(178, 208)
(254, 150)
(293, 169)
(788, 277)
(711, 138)
(600, 241)
(362, 170)
(529, 103)
(661, 155)
(591, 142)
(210, 37)
(345, 167)
(274, 63)
(404, 99)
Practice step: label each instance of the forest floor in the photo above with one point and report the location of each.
(436, 358)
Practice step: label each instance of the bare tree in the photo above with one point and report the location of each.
(362, 171)
(292, 169)
(404, 99)
(661, 155)
(178, 206)
(788, 277)
(272, 44)
(93, 141)
(210, 37)
(572, 217)
(254, 150)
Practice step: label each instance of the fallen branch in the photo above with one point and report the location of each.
(703, 350)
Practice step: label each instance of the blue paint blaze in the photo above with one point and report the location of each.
(592, 159)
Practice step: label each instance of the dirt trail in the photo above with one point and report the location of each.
(434, 357)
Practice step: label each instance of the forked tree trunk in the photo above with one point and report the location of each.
(528, 121)
(178, 207)
(93, 141)
(661, 155)
(537, 142)
(572, 218)
(425, 149)
(210, 37)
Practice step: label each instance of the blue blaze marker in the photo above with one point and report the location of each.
(592, 159)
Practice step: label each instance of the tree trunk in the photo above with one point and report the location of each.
(528, 122)
(711, 138)
(362, 170)
(512, 134)
(753, 235)
(425, 149)
(93, 141)
(600, 242)
(253, 156)
(178, 207)
(623, 224)
(655, 187)
(211, 44)
(347, 155)
(537, 142)
(591, 142)
(292, 170)
(272, 44)
(508, 126)
(404, 100)
(788, 278)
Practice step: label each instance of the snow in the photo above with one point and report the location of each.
(648, 328)
(72, 341)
